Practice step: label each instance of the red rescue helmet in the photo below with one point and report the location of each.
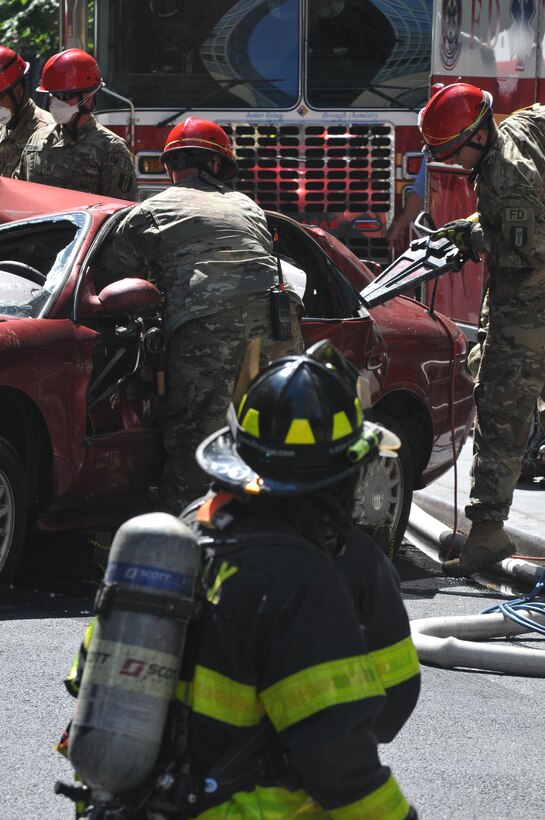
(12, 69)
(452, 116)
(204, 136)
(70, 70)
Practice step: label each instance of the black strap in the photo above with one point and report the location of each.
(218, 545)
(145, 603)
(252, 760)
(232, 762)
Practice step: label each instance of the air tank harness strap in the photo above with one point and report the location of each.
(219, 546)
(162, 606)
(257, 759)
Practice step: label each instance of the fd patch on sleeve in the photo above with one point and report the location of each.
(518, 226)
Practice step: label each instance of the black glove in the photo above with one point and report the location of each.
(412, 815)
(459, 232)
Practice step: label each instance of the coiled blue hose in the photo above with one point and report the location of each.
(511, 608)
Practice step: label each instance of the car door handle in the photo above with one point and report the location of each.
(376, 358)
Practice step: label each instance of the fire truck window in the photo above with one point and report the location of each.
(214, 54)
(368, 54)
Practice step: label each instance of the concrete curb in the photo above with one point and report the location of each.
(526, 541)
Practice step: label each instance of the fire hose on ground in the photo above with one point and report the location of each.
(459, 641)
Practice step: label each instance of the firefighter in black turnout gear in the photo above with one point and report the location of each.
(302, 660)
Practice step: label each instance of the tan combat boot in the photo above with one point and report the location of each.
(487, 544)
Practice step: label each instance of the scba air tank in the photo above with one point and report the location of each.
(133, 660)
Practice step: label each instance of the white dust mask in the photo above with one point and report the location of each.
(62, 112)
(5, 115)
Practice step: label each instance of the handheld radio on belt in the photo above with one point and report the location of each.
(280, 303)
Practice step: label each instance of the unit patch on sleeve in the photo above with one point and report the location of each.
(518, 226)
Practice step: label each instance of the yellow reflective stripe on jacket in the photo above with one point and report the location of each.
(74, 675)
(397, 663)
(219, 697)
(318, 687)
(273, 803)
(385, 803)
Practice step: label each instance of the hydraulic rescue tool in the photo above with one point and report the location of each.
(425, 259)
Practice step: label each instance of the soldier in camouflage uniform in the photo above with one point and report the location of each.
(532, 461)
(76, 151)
(209, 250)
(20, 117)
(508, 170)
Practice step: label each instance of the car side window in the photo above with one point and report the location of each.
(310, 272)
(36, 246)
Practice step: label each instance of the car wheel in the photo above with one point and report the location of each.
(12, 512)
(384, 493)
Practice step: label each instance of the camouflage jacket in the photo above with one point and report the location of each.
(207, 246)
(96, 161)
(510, 187)
(13, 140)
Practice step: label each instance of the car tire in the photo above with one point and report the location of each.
(385, 491)
(13, 512)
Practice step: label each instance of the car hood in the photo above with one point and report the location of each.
(23, 200)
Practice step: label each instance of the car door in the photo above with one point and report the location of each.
(88, 436)
(122, 438)
(332, 308)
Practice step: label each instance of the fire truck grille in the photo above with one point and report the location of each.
(336, 176)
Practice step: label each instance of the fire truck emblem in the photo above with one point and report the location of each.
(522, 36)
(451, 21)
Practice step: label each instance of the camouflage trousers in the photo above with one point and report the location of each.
(474, 361)
(204, 359)
(510, 380)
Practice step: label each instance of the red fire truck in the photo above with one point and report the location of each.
(496, 45)
(320, 97)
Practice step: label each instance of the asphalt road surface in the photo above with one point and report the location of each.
(473, 748)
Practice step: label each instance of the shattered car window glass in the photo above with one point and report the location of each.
(36, 258)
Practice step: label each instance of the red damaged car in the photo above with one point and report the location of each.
(80, 442)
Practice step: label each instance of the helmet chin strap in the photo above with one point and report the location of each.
(483, 148)
(189, 160)
(17, 104)
(72, 126)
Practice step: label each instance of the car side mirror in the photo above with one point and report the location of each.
(130, 297)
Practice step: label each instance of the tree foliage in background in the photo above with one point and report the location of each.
(30, 27)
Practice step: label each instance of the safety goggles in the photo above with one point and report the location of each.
(66, 96)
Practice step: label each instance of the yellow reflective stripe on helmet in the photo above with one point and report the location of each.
(397, 663)
(219, 697)
(251, 422)
(300, 432)
(385, 803)
(341, 426)
(318, 687)
(271, 802)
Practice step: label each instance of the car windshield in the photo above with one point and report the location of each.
(240, 54)
(36, 258)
